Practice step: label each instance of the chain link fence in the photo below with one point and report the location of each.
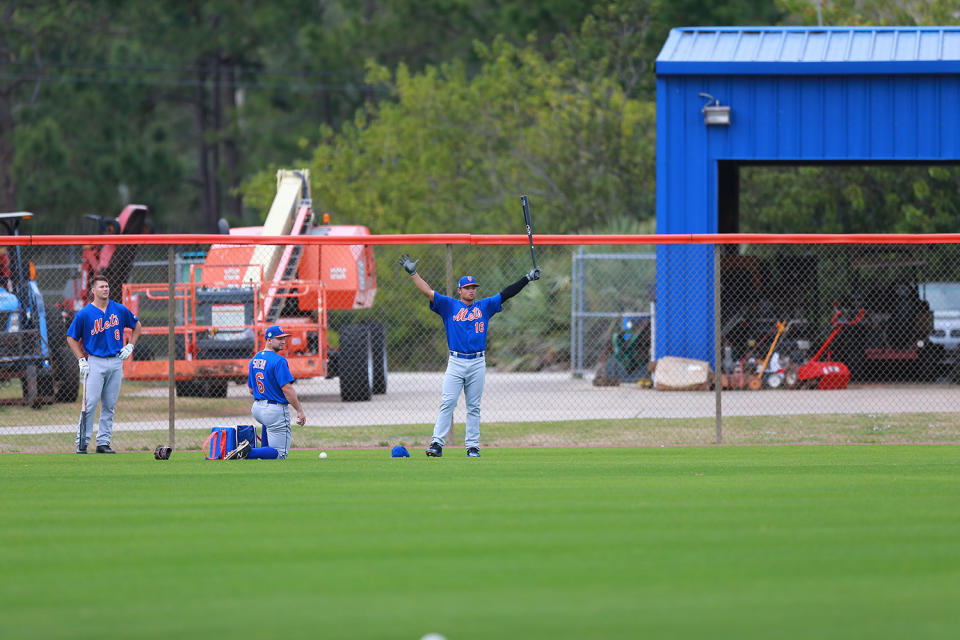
(612, 306)
(818, 343)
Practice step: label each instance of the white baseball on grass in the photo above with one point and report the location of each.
(433, 636)
(322, 455)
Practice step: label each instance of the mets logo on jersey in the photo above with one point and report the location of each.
(465, 315)
(99, 325)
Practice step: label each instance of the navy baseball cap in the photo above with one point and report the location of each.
(468, 281)
(275, 332)
(399, 451)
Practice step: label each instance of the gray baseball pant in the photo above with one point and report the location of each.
(276, 418)
(469, 376)
(103, 387)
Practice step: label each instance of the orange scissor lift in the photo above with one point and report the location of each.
(226, 305)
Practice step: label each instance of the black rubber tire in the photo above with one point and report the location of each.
(378, 347)
(928, 362)
(355, 364)
(63, 382)
(791, 378)
(45, 389)
(187, 388)
(333, 367)
(66, 376)
(43, 381)
(214, 388)
(184, 388)
(142, 352)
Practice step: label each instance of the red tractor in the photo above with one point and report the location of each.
(112, 261)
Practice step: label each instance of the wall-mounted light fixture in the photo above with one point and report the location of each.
(714, 114)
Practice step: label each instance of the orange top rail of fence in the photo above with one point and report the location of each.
(482, 239)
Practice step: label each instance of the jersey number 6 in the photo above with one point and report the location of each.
(259, 378)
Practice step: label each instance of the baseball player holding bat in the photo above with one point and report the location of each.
(96, 338)
(466, 322)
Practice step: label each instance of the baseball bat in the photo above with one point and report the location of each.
(526, 218)
(82, 427)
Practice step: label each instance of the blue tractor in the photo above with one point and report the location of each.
(33, 346)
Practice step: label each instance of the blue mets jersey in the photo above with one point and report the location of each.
(269, 371)
(466, 326)
(101, 332)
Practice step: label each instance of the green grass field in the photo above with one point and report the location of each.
(654, 542)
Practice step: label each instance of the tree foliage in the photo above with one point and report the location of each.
(103, 102)
(452, 152)
(866, 199)
(871, 12)
(415, 116)
(919, 199)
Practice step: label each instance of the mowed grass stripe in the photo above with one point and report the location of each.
(826, 542)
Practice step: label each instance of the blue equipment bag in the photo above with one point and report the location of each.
(220, 442)
(247, 432)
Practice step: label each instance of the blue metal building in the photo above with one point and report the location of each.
(807, 95)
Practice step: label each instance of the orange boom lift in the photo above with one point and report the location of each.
(240, 290)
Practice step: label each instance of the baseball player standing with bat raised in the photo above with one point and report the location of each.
(466, 322)
(96, 338)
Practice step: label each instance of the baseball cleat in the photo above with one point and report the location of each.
(240, 452)
(435, 450)
(473, 452)
(104, 448)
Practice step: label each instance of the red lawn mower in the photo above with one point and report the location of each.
(829, 374)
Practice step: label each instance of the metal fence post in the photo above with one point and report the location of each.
(171, 347)
(450, 281)
(450, 278)
(717, 344)
(577, 314)
(574, 317)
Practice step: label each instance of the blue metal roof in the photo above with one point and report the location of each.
(810, 50)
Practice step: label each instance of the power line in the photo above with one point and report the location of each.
(237, 84)
(109, 66)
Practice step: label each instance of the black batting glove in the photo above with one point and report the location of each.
(409, 264)
(533, 275)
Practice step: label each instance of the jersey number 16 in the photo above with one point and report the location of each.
(478, 327)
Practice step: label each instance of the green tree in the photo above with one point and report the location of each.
(871, 199)
(172, 103)
(871, 12)
(918, 199)
(75, 140)
(452, 153)
(27, 29)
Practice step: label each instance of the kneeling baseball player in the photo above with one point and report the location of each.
(271, 384)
